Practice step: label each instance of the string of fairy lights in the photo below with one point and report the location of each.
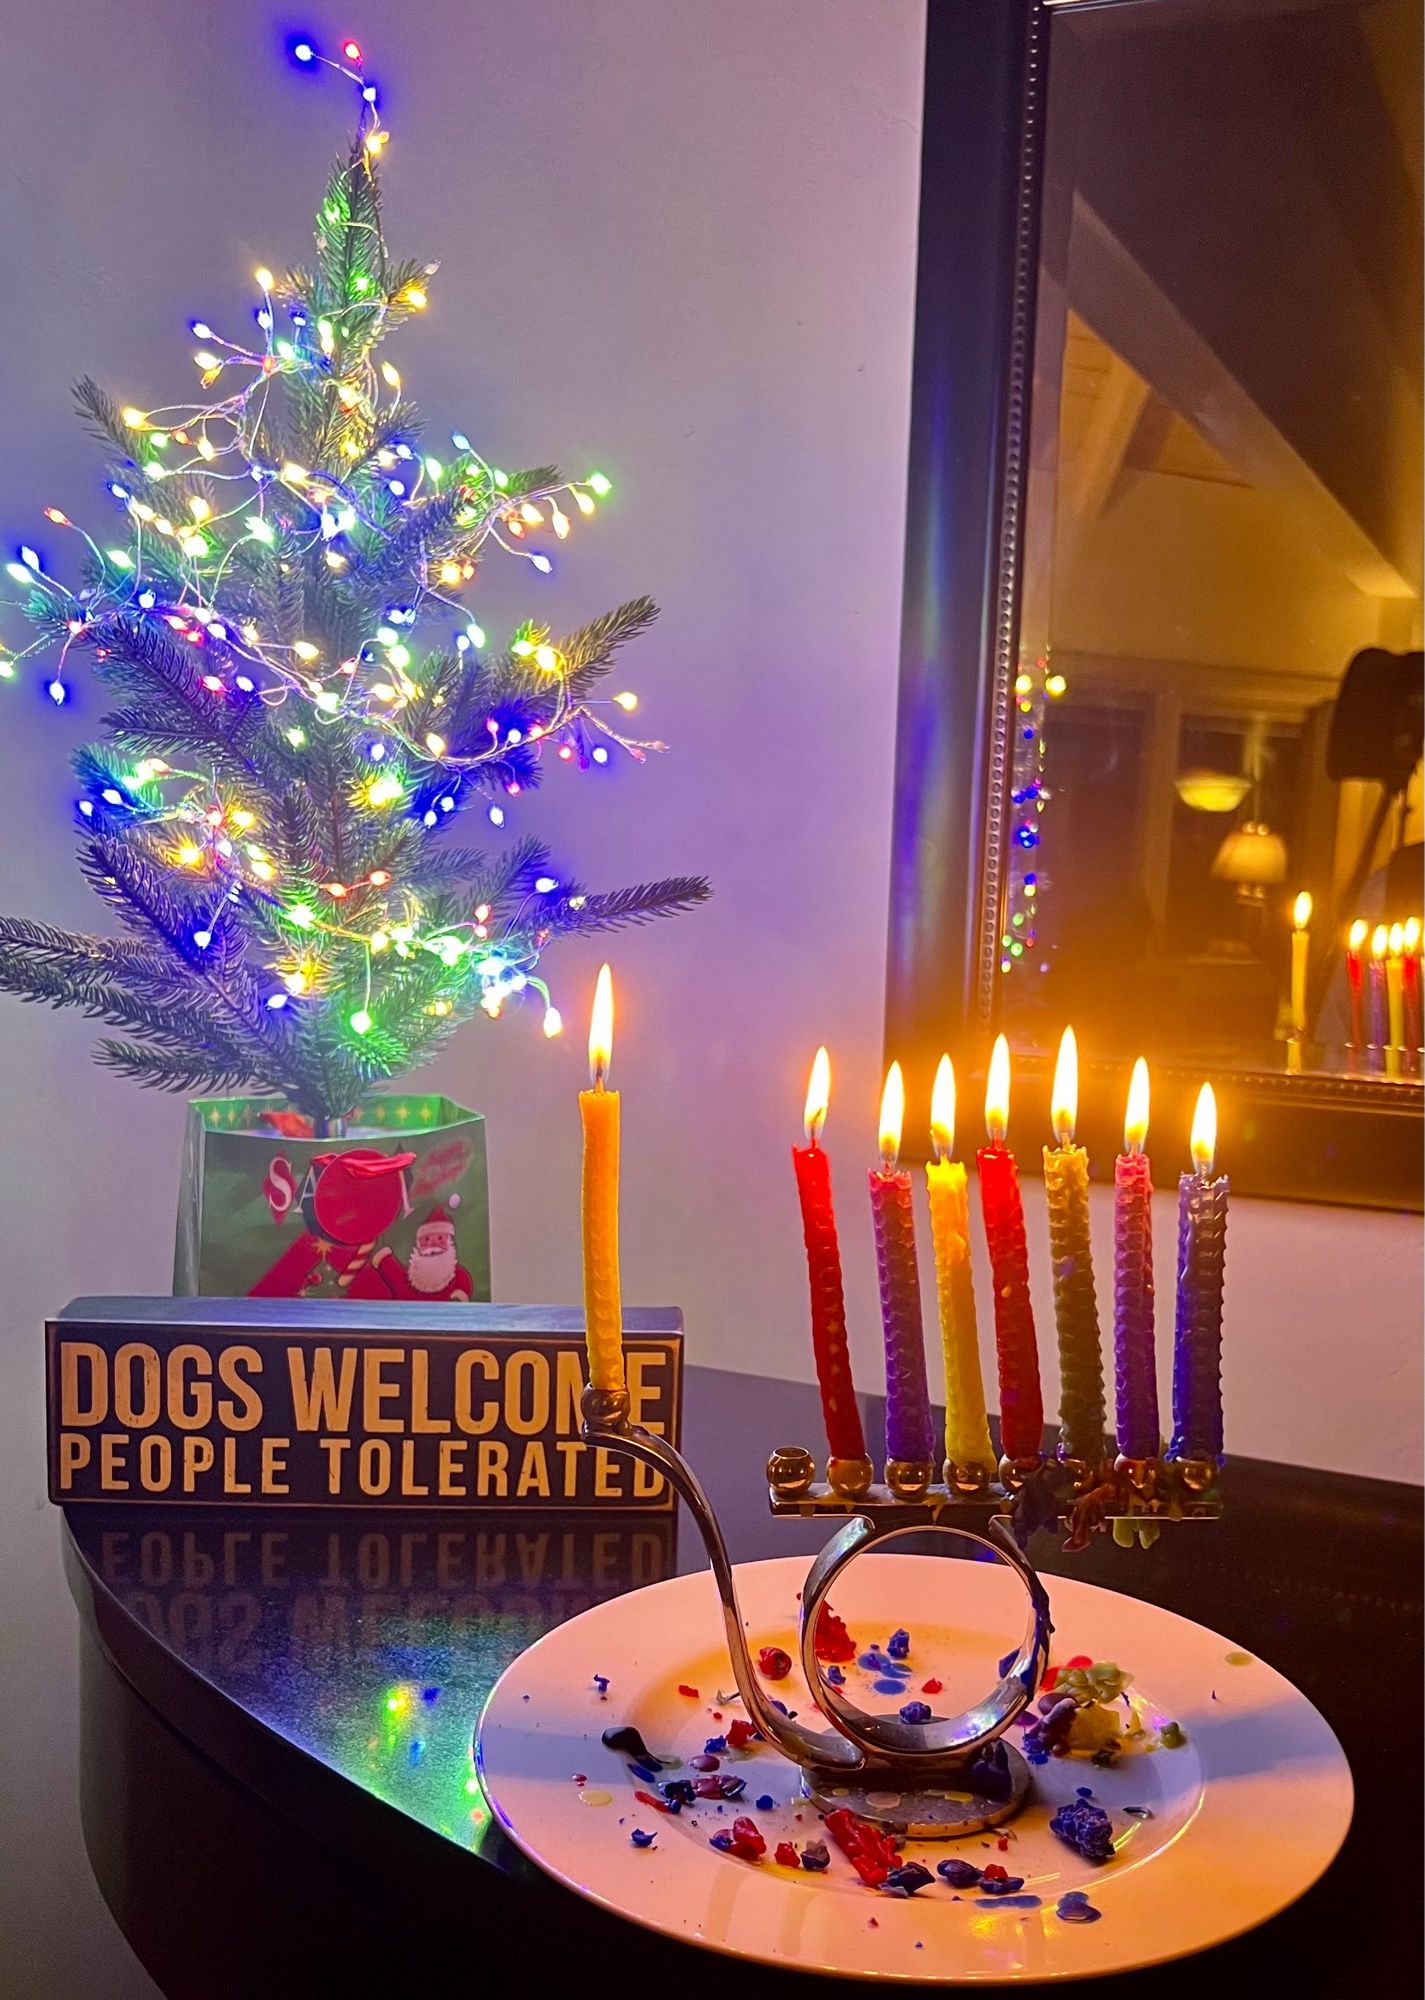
(1036, 685)
(172, 564)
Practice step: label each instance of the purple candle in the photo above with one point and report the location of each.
(909, 1438)
(1135, 1364)
(1202, 1241)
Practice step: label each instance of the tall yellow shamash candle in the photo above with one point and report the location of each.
(598, 1110)
(967, 1432)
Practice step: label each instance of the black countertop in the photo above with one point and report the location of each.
(270, 1804)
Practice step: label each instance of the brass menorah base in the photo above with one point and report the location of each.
(950, 1775)
(1114, 1493)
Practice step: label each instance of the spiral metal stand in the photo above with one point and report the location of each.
(953, 1774)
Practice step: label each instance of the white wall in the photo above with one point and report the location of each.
(678, 242)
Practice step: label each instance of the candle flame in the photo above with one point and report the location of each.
(601, 1028)
(997, 1092)
(892, 1116)
(1397, 940)
(1357, 935)
(1064, 1099)
(1301, 911)
(818, 1096)
(1412, 935)
(1135, 1119)
(942, 1109)
(1380, 939)
(1204, 1131)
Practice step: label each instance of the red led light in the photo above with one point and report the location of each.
(352, 51)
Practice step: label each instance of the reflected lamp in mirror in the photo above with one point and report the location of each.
(1212, 791)
(1253, 859)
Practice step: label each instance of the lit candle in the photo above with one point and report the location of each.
(909, 1440)
(1395, 998)
(1380, 944)
(1135, 1365)
(1356, 978)
(967, 1432)
(1066, 1195)
(1202, 1241)
(1300, 949)
(1021, 1405)
(1410, 977)
(828, 1304)
(598, 1110)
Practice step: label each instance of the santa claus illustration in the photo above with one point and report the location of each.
(347, 1201)
(432, 1271)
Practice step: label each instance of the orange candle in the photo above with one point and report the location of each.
(599, 1112)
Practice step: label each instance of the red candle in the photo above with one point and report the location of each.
(1021, 1403)
(1356, 979)
(828, 1305)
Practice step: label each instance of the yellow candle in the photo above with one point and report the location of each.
(967, 1433)
(1395, 998)
(1300, 946)
(598, 1110)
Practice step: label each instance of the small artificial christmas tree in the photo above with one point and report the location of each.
(303, 709)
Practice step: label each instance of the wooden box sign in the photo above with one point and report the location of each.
(307, 1403)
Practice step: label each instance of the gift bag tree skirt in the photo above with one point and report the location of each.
(395, 1209)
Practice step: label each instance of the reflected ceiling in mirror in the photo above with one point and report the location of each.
(1223, 514)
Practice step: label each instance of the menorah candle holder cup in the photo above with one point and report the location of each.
(950, 1775)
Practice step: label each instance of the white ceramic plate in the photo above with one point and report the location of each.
(1244, 1817)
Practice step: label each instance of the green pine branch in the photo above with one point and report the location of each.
(618, 907)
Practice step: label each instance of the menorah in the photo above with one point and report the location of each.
(950, 1775)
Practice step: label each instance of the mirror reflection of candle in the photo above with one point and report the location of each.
(1300, 947)
(1356, 940)
(1380, 944)
(1410, 970)
(1395, 999)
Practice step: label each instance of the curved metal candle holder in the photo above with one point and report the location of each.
(947, 1776)
(953, 1774)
